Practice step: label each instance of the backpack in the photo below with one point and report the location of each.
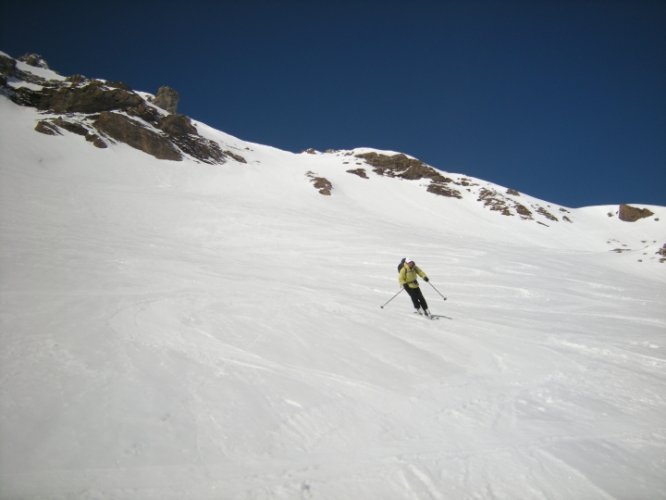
(402, 263)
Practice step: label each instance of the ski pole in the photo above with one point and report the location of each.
(440, 293)
(389, 300)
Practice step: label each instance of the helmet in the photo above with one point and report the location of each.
(409, 261)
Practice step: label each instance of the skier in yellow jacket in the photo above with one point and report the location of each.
(408, 280)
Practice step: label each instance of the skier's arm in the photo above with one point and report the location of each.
(422, 273)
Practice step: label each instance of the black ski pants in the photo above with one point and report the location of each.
(417, 297)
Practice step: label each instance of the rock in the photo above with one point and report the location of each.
(46, 127)
(34, 60)
(662, 254)
(75, 128)
(96, 141)
(547, 214)
(76, 79)
(525, 212)
(322, 184)
(185, 135)
(632, 214)
(177, 125)
(99, 102)
(360, 172)
(7, 66)
(118, 85)
(167, 99)
(235, 156)
(124, 129)
(442, 189)
(200, 148)
(491, 200)
(90, 98)
(400, 165)
(147, 113)
(53, 126)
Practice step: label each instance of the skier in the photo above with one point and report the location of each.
(408, 280)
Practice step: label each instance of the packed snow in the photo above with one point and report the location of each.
(174, 330)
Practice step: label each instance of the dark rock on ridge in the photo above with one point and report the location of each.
(360, 172)
(628, 213)
(124, 129)
(322, 184)
(114, 110)
(47, 127)
(402, 166)
(186, 137)
(7, 66)
(662, 253)
(167, 99)
(177, 125)
(93, 97)
(53, 126)
(34, 60)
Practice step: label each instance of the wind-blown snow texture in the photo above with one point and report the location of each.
(179, 330)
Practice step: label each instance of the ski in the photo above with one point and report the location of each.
(426, 316)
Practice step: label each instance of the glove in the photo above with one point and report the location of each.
(426, 279)
(406, 287)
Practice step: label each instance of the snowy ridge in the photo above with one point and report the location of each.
(173, 329)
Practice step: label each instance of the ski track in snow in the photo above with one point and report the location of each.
(185, 331)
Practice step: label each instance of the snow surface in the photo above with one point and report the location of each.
(174, 330)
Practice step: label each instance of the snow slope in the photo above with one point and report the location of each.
(179, 330)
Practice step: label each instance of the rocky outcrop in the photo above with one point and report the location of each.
(167, 99)
(360, 172)
(398, 165)
(47, 127)
(9, 70)
(145, 112)
(662, 254)
(177, 125)
(321, 184)
(96, 109)
(54, 126)
(186, 137)
(404, 167)
(547, 214)
(7, 66)
(235, 156)
(124, 129)
(492, 200)
(628, 213)
(34, 60)
(94, 97)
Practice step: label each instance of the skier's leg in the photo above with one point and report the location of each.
(414, 297)
(421, 299)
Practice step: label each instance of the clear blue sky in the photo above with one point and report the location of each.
(563, 100)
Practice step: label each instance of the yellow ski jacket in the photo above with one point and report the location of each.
(408, 275)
